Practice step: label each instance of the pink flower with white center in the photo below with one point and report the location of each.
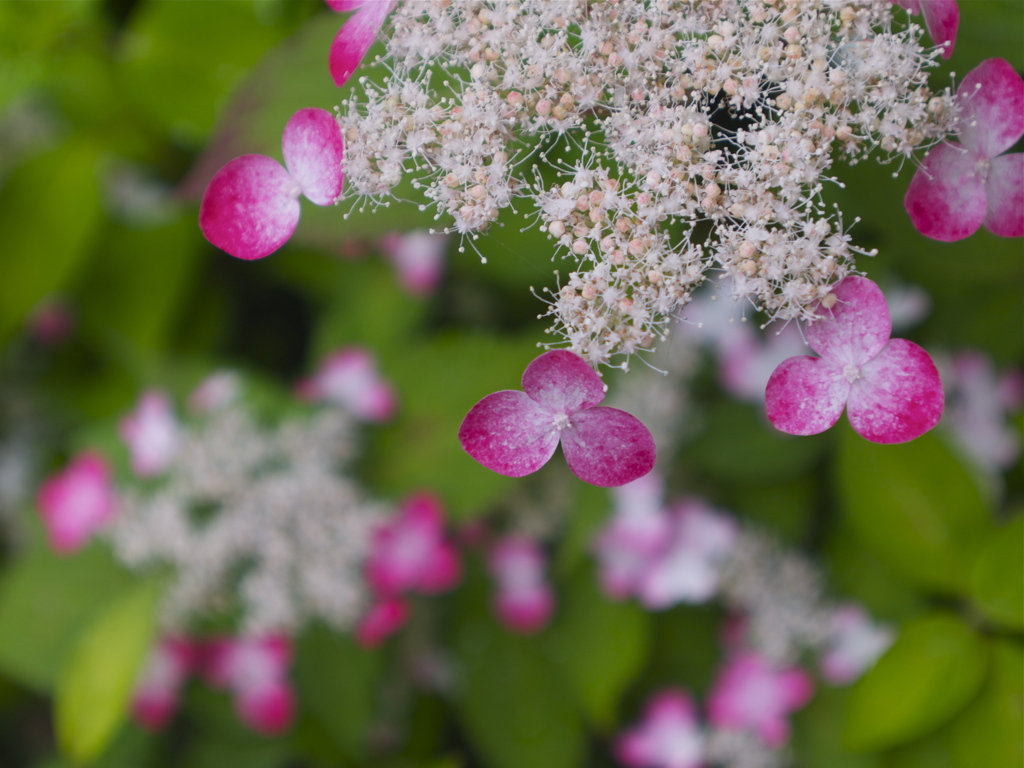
(151, 433)
(855, 643)
(637, 532)
(349, 378)
(251, 206)
(753, 695)
(356, 35)
(418, 257)
(980, 406)
(158, 688)
(255, 670)
(524, 601)
(384, 618)
(941, 18)
(667, 737)
(515, 433)
(410, 553)
(214, 392)
(77, 501)
(890, 387)
(959, 187)
(688, 568)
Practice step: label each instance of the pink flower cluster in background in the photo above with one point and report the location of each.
(409, 554)
(158, 689)
(349, 378)
(151, 434)
(668, 735)
(77, 501)
(524, 600)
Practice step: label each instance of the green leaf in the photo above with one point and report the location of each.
(996, 582)
(936, 665)
(95, 686)
(599, 645)
(337, 683)
(45, 601)
(915, 505)
(49, 210)
(817, 733)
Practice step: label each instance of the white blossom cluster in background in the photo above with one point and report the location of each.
(254, 520)
(684, 137)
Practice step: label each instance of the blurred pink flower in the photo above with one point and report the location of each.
(51, 322)
(418, 257)
(216, 391)
(854, 644)
(349, 378)
(524, 600)
(667, 737)
(383, 619)
(158, 688)
(77, 501)
(980, 407)
(255, 670)
(151, 433)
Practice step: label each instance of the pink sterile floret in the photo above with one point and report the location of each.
(980, 408)
(255, 670)
(515, 433)
(418, 258)
(158, 688)
(524, 600)
(77, 501)
(251, 207)
(890, 387)
(636, 534)
(385, 617)
(410, 553)
(746, 365)
(941, 18)
(356, 35)
(687, 570)
(959, 187)
(854, 644)
(753, 695)
(151, 433)
(349, 378)
(667, 737)
(216, 391)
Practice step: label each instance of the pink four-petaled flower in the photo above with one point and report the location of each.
(959, 187)
(941, 18)
(255, 670)
(514, 433)
(251, 207)
(356, 35)
(524, 600)
(151, 433)
(77, 501)
(752, 694)
(667, 737)
(158, 688)
(349, 378)
(890, 387)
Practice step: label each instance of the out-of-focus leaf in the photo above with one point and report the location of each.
(988, 733)
(337, 682)
(95, 686)
(49, 210)
(817, 733)
(915, 505)
(934, 668)
(45, 601)
(997, 581)
(510, 699)
(599, 645)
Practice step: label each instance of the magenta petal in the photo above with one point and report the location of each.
(563, 382)
(805, 395)
(856, 327)
(344, 6)
(992, 99)
(313, 153)
(608, 447)
(898, 396)
(942, 17)
(1005, 193)
(250, 208)
(355, 38)
(509, 433)
(946, 197)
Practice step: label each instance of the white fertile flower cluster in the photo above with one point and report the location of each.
(256, 522)
(658, 140)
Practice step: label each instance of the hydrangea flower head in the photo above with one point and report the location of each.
(349, 378)
(854, 645)
(961, 186)
(158, 688)
(255, 670)
(151, 432)
(890, 387)
(410, 553)
(524, 601)
(356, 35)
(77, 501)
(515, 433)
(251, 207)
(751, 694)
(941, 19)
(667, 737)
